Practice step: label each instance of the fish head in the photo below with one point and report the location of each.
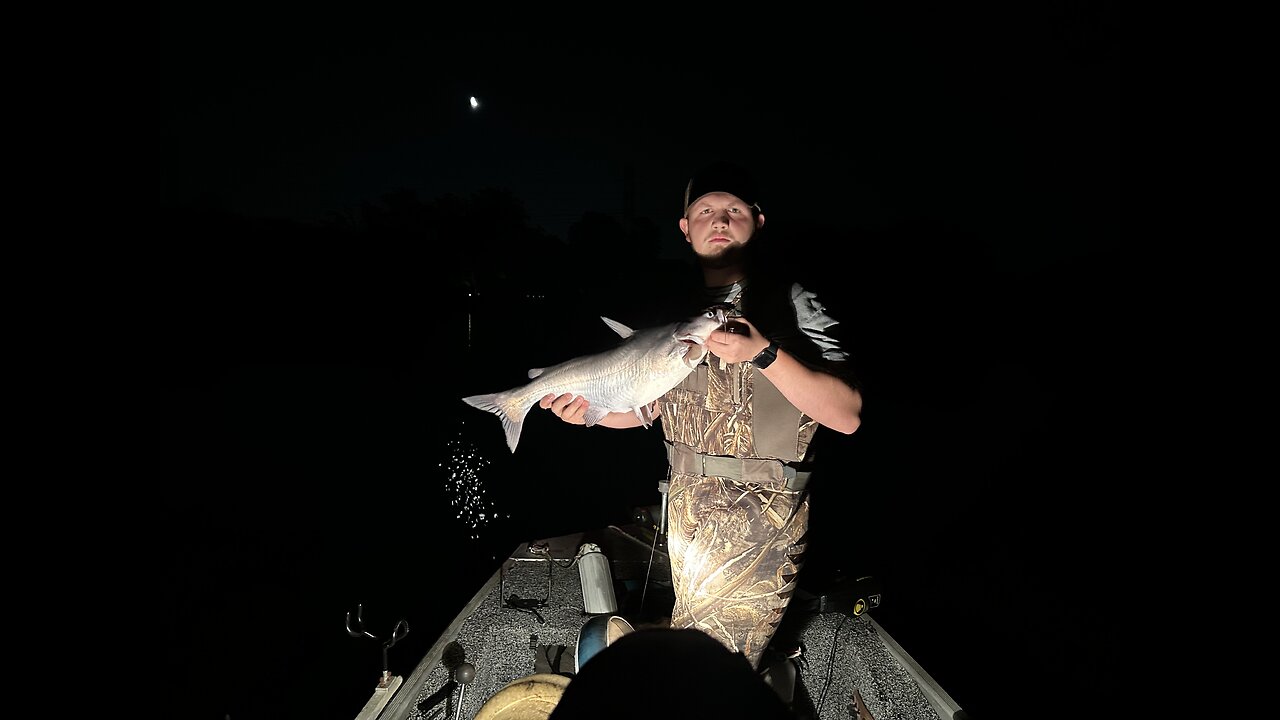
(693, 333)
(697, 329)
(725, 310)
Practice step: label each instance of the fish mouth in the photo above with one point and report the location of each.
(691, 339)
(718, 312)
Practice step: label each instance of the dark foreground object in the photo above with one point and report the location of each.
(685, 673)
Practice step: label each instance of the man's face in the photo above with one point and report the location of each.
(718, 225)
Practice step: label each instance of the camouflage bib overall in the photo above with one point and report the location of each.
(738, 514)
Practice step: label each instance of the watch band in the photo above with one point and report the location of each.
(765, 357)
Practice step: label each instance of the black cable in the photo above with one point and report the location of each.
(831, 665)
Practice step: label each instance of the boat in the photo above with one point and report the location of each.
(554, 603)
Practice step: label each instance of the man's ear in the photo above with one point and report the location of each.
(759, 220)
(684, 228)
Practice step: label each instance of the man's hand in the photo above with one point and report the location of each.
(568, 407)
(738, 342)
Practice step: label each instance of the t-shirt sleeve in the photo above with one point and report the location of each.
(823, 330)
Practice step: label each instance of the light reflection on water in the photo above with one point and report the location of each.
(465, 485)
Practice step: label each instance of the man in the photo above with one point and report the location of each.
(738, 430)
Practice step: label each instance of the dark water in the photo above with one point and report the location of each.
(320, 458)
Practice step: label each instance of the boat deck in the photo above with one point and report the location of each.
(844, 653)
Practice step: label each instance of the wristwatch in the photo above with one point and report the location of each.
(765, 357)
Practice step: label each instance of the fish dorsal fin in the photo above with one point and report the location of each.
(618, 327)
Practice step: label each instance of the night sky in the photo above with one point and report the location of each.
(954, 186)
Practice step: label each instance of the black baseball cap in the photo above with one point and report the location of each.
(723, 176)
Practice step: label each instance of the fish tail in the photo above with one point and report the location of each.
(508, 409)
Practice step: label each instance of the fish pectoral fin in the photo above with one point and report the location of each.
(594, 415)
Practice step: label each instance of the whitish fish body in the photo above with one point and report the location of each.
(628, 378)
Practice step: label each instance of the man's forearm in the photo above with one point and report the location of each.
(822, 396)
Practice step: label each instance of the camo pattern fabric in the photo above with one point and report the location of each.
(735, 546)
(735, 551)
(712, 411)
